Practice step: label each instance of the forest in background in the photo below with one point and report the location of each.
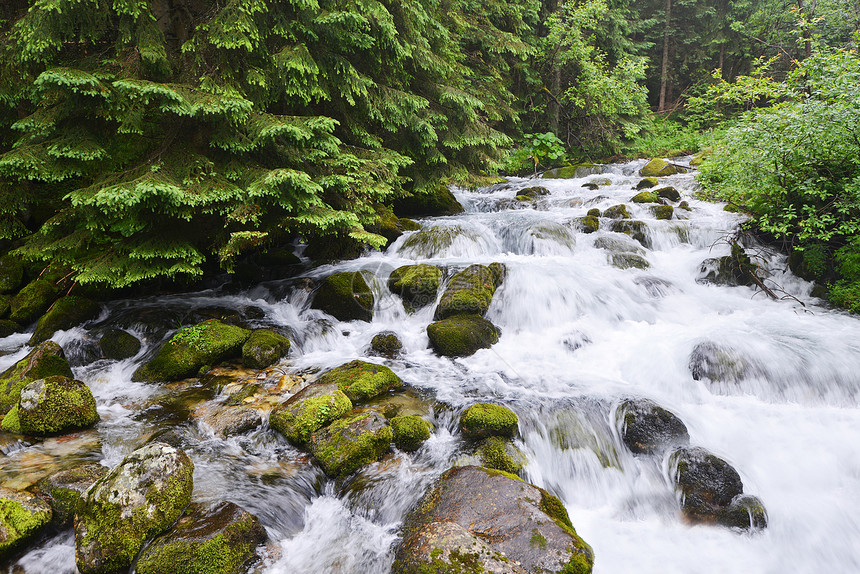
(144, 141)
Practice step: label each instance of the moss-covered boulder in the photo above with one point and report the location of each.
(668, 192)
(435, 201)
(719, 363)
(22, 516)
(264, 348)
(447, 530)
(711, 490)
(32, 301)
(647, 428)
(361, 381)
(645, 197)
(410, 432)
(647, 183)
(46, 360)
(8, 328)
(11, 273)
(350, 443)
(387, 224)
(735, 269)
(663, 211)
(746, 512)
(573, 171)
(64, 490)
(588, 224)
(462, 335)
(636, 229)
(660, 168)
(617, 212)
(137, 500)
(65, 313)
(483, 420)
(593, 212)
(345, 296)
(118, 344)
(591, 186)
(220, 540)
(469, 292)
(533, 191)
(309, 410)
(55, 405)
(685, 206)
(628, 261)
(386, 344)
(500, 454)
(192, 349)
(417, 285)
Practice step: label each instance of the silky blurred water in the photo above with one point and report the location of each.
(578, 336)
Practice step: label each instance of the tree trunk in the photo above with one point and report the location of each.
(664, 70)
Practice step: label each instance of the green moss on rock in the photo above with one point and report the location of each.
(498, 453)
(66, 313)
(593, 212)
(46, 360)
(647, 183)
(55, 405)
(638, 230)
(668, 192)
(8, 328)
(589, 223)
(361, 381)
(205, 344)
(264, 348)
(410, 432)
(137, 500)
(628, 261)
(22, 516)
(417, 285)
(348, 444)
(572, 171)
(217, 541)
(664, 211)
(386, 344)
(32, 301)
(483, 420)
(462, 335)
(11, 422)
(309, 410)
(345, 296)
(64, 490)
(659, 168)
(469, 292)
(617, 212)
(118, 344)
(645, 197)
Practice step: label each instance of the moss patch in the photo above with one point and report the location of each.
(617, 212)
(659, 168)
(646, 183)
(499, 454)
(32, 301)
(348, 444)
(361, 381)
(46, 360)
(345, 296)
(192, 348)
(66, 313)
(21, 517)
(308, 411)
(264, 348)
(55, 405)
(417, 285)
(645, 197)
(483, 420)
(410, 432)
(462, 335)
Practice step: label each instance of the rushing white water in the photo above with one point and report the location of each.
(578, 336)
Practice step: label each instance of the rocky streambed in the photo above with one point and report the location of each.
(574, 374)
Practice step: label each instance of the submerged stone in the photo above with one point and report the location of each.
(308, 411)
(588, 224)
(638, 230)
(735, 269)
(32, 301)
(447, 530)
(462, 335)
(628, 261)
(55, 405)
(345, 296)
(663, 211)
(67, 312)
(348, 444)
(138, 499)
(22, 516)
(469, 292)
(221, 540)
(410, 432)
(118, 344)
(264, 348)
(483, 420)
(647, 428)
(191, 349)
(46, 360)
(361, 381)
(417, 285)
(533, 191)
(710, 361)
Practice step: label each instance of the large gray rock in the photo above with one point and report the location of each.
(137, 500)
(220, 540)
(647, 428)
(479, 520)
